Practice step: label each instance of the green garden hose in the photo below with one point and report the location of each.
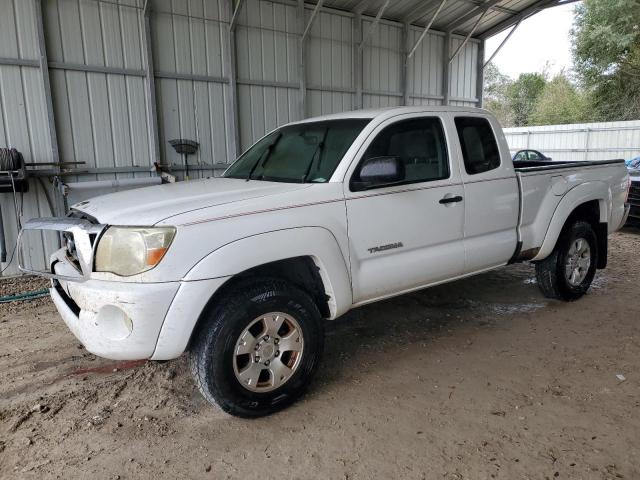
(19, 297)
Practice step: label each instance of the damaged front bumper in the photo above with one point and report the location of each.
(119, 320)
(116, 320)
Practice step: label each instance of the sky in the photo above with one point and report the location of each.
(539, 39)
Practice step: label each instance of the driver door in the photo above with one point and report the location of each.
(410, 234)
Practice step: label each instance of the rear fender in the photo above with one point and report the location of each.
(583, 193)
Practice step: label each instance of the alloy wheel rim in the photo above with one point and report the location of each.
(578, 262)
(268, 352)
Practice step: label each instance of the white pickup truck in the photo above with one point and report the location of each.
(316, 218)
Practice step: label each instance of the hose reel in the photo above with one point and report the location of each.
(13, 179)
(13, 172)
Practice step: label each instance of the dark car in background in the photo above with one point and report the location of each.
(633, 166)
(530, 156)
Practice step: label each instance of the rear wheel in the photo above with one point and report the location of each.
(258, 348)
(567, 273)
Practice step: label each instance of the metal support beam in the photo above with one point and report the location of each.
(357, 60)
(235, 11)
(302, 69)
(150, 89)
(480, 10)
(424, 9)
(374, 25)
(79, 67)
(191, 76)
(495, 8)
(18, 62)
(468, 37)
(526, 13)
(446, 69)
(46, 84)
(480, 75)
(313, 16)
(502, 44)
(405, 64)
(231, 97)
(426, 29)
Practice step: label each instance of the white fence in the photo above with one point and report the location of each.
(584, 141)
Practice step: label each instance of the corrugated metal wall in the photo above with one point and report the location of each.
(123, 84)
(23, 115)
(268, 76)
(462, 83)
(191, 83)
(426, 69)
(329, 64)
(584, 141)
(100, 117)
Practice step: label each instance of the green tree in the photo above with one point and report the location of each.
(606, 50)
(496, 86)
(560, 103)
(522, 96)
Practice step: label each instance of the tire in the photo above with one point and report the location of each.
(232, 325)
(556, 275)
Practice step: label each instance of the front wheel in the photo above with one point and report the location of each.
(567, 273)
(257, 348)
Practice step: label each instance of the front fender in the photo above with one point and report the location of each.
(315, 242)
(583, 193)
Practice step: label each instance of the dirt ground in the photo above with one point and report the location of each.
(479, 379)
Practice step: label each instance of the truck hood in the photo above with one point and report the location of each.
(150, 205)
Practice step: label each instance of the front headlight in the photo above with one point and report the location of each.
(128, 251)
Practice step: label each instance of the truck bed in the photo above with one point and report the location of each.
(543, 185)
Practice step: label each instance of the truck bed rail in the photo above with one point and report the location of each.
(533, 166)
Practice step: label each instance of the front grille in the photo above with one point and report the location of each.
(79, 237)
(634, 201)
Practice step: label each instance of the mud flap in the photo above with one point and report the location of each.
(602, 236)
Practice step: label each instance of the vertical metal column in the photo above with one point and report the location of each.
(58, 203)
(405, 63)
(446, 55)
(357, 59)
(231, 100)
(480, 75)
(302, 74)
(150, 88)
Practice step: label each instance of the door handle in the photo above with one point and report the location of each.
(447, 200)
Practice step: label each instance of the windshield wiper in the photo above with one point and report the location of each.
(318, 150)
(266, 157)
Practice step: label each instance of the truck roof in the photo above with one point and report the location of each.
(382, 113)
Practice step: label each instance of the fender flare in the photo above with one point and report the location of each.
(583, 193)
(318, 243)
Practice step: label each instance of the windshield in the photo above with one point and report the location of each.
(307, 152)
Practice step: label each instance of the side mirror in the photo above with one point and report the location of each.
(379, 171)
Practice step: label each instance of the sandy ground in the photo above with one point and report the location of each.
(479, 379)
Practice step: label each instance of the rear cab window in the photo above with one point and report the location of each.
(479, 146)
